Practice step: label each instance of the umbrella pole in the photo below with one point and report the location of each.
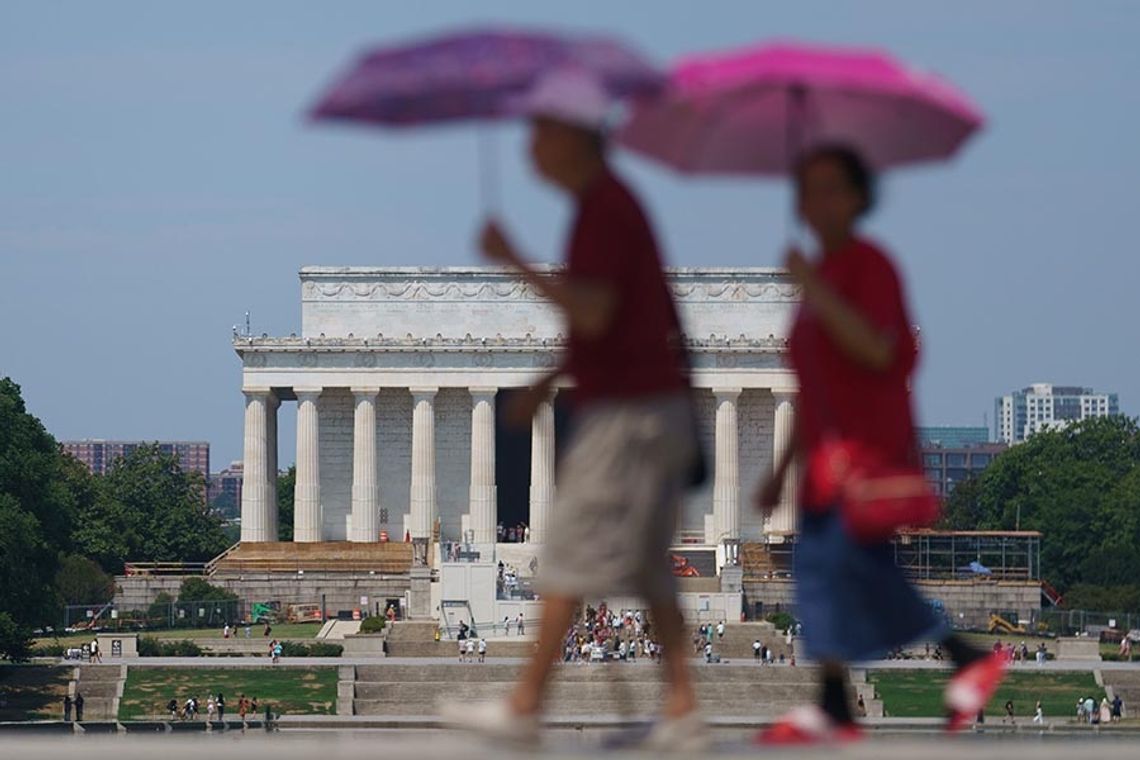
(489, 177)
(793, 137)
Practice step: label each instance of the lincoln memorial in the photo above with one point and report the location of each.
(396, 374)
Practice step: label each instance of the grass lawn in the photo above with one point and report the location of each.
(291, 691)
(280, 631)
(918, 693)
(32, 692)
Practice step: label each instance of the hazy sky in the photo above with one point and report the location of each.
(157, 180)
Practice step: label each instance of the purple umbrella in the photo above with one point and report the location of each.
(474, 75)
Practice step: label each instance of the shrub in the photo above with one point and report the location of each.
(149, 646)
(48, 650)
(316, 649)
(373, 624)
(152, 647)
(183, 648)
(782, 620)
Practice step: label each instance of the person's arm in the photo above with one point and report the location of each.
(853, 333)
(589, 306)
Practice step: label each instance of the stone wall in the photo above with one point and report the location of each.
(968, 604)
(452, 459)
(336, 419)
(394, 450)
(342, 591)
(756, 410)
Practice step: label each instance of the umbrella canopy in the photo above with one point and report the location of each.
(752, 111)
(475, 75)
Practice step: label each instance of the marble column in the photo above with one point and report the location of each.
(726, 477)
(783, 519)
(271, 470)
(541, 470)
(484, 501)
(307, 517)
(256, 519)
(423, 462)
(365, 491)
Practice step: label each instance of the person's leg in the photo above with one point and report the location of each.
(557, 612)
(671, 629)
(833, 696)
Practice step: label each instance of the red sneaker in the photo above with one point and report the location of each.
(971, 688)
(808, 725)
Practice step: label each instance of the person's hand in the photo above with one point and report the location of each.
(767, 496)
(495, 245)
(798, 265)
(521, 406)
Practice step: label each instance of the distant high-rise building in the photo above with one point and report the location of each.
(953, 454)
(98, 455)
(953, 436)
(1042, 406)
(224, 490)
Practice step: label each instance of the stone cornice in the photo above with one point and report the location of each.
(468, 343)
(689, 284)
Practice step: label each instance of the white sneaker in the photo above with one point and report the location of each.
(687, 734)
(492, 720)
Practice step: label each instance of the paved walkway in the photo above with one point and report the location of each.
(394, 745)
(1064, 666)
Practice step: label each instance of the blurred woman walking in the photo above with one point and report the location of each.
(854, 351)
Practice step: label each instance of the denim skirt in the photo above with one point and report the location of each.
(853, 601)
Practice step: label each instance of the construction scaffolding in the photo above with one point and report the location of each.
(925, 555)
(970, 555)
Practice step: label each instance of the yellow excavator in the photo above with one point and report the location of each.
(998, 624)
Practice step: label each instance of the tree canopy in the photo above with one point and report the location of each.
(1080, 487)
(63, 529)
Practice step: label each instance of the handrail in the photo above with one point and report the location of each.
(163, 568)
(212, 565)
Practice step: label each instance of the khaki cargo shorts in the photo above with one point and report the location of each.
(619, 491)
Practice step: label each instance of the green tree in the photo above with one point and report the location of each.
(40, 495)
(148, 509)
(1079, 486)
(80, 580)
(225, 505)
(285, 482)
(201, 590)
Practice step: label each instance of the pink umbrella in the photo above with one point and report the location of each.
(752, 111)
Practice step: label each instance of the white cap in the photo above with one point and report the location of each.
(571, 96)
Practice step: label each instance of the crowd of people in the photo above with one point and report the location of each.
(471, 648)
(513, 534)
(601, 635)
(1107, 712)
(1019, 653)
(215, 708)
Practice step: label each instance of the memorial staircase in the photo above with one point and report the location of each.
(622, 690)
(326, 556)
(101, 687)
(1126, 685)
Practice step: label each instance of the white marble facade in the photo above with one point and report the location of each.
(395, 376)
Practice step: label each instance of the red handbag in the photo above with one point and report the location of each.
(875, 498)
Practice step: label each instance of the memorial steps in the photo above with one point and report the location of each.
(627, 689)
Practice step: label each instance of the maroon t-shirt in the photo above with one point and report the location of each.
(840, 397)
(611, 243)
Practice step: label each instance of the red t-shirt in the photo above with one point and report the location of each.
(839, 396)
(611, 243)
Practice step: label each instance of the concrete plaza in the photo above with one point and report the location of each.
(286, 745)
